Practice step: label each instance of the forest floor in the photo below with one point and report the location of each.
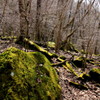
(69, 91)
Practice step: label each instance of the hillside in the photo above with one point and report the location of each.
(77, 81)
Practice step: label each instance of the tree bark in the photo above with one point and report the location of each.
(59, 26)
(38, 33)
(24, 10)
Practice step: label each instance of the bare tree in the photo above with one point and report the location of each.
(3, 14)
(38, 20)
(24, 10)
(61, 7)
(62, 21)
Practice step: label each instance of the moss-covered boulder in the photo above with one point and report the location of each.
(79, 61)
(95, 74)
(51, 44)
(27, 76)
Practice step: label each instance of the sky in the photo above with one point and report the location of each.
(96, 2)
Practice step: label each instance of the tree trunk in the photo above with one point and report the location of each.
(58, 35)
(24, 10)
(38, 33)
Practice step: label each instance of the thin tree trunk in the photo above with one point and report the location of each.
(38, 33)
(24, 10)
(59, 26)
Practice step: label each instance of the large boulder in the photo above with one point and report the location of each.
(27, 76)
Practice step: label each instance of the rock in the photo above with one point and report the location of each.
(84, 76)
(95, 74)
(27, 76)
(79, 62)
(51, 44)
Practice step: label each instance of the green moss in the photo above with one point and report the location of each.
(33, 46)
(96, 70)
(60, 59)
(27, 76)
(70, 68)
(51, 44)
(84, 76)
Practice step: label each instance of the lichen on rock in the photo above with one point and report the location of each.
(27, 76)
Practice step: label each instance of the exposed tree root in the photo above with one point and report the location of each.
(59, 63)
(33, 46)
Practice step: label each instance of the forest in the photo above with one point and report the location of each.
(49, 49)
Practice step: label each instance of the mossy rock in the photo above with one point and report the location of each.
(84, 76)
(79, 62)
(27, 76)
(51, 44)
(95, 74)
